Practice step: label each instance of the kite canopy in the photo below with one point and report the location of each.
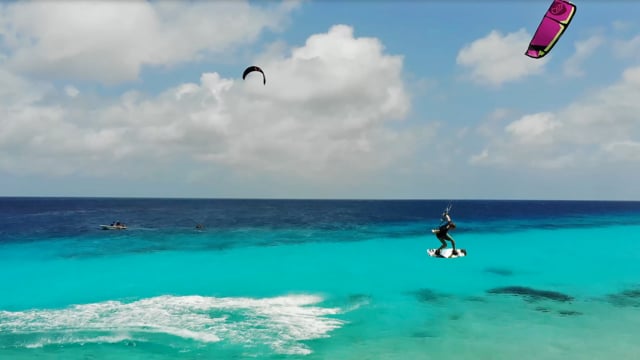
(254, 68)
(552, 26)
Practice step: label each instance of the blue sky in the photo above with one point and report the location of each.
(364, 99)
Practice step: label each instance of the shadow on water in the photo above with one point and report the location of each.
(499, 271)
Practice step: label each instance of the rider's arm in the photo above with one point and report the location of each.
(446, 218)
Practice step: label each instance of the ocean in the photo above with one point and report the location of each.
(317, 279)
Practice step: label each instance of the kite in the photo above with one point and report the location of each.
(552, 26)
(254, 68)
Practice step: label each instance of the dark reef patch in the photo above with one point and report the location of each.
(499, 271)
(359, 298)
(429, 296)
(473, 298)
(531, 294)
(423, 334)
(547, 310)
(626, 298)
(569, 313)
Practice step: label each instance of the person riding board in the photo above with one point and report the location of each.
(442, 232)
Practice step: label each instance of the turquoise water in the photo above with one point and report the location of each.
(381, 297)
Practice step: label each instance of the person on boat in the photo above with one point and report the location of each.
(442, 232)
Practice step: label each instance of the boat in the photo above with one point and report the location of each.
(113, 227)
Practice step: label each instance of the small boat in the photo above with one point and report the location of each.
(113, 227)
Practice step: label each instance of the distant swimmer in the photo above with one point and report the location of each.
(199, 226)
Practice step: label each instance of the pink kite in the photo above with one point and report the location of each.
(553, 24)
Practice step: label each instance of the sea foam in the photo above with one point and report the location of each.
(279, 322)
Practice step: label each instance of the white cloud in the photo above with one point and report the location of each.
(497, 59)
(480, 158)
(494, 121)
(322, 117)
(71, 91)
(627, 48)
(16, 91)
(622, 26)
(499, 114)
(535, 128)
(625, 151)
(584, 49)
(109, 41)
(590, 132)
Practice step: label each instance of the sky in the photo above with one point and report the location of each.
(363, 100)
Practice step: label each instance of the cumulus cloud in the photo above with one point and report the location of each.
(323, 116)
(626, 151)
(627, 49)
(499, 114)
(110, 41)
(594, 131)
(71, 91)
(584, 49)
(618, 25)
(533, 129)
(497, 59)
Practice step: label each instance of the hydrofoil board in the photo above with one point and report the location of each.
(447, 253)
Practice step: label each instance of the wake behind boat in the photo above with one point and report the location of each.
(113, 227)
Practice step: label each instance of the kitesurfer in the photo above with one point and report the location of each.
(442, 232)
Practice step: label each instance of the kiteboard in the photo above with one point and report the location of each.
(446, 253)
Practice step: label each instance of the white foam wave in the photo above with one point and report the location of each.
(279, 322)
(69, 339)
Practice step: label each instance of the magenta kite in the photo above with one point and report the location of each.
(552, 26)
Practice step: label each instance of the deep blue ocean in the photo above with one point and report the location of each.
(317, 279)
